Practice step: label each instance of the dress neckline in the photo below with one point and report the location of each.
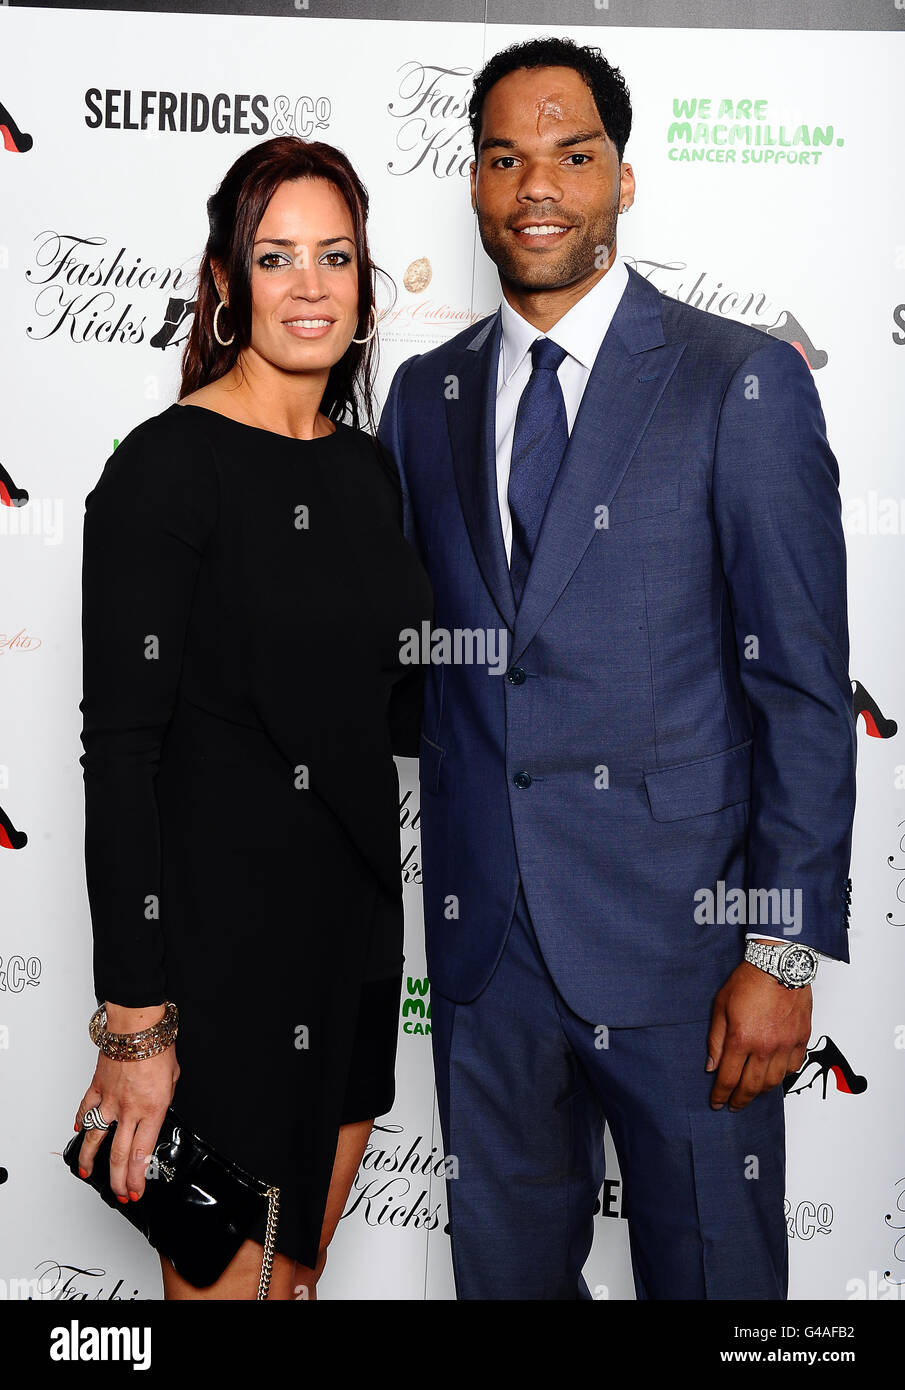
(258, 429)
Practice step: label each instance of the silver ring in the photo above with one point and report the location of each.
(93, 1119)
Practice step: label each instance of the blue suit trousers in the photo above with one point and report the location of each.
(525, 1087)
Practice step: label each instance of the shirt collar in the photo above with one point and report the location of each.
(579, 332)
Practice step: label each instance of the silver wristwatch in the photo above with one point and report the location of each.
(794, 966)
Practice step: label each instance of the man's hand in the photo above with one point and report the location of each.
(759, 1032)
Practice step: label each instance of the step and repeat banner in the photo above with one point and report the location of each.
(770, 190)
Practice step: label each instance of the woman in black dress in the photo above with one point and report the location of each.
(245, 585)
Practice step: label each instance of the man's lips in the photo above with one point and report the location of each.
(538, 234)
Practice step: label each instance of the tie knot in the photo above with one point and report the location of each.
(546, 355)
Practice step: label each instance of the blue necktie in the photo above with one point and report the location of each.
(538, 444)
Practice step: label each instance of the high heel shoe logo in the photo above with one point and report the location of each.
(178, 310)
(789, 330)
(10, 495)
(875, 722)
(14, 139)
(10, 837)
(819, 1064)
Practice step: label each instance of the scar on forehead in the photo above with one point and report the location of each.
(549, 108)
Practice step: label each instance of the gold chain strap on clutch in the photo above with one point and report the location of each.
(270, 1236)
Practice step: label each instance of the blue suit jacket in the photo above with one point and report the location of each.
(677, 709)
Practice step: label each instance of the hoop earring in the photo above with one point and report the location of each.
(223, 342)
(373, 330)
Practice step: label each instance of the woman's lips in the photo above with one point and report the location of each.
(313, 330)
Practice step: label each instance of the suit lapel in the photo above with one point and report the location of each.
(471, 416)
(629, 375)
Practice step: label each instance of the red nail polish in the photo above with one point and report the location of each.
(121, 1199)
(134, 1196)
(82, 1173)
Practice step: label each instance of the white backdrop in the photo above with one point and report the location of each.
(777, 242)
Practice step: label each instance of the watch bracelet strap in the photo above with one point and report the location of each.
(766, 955)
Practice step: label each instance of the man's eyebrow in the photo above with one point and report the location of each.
(597, 134)
(501, 143)
(287, 241)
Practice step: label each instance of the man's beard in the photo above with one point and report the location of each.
(586, 250)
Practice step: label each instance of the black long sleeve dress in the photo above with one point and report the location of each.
(243, 598)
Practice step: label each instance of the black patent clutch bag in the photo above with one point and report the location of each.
(197, 1207)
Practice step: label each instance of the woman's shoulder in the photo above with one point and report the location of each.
(169, 439)
(172, 424)
(163, 458)
(375, 454)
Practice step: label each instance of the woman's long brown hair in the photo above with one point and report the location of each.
(234, 214)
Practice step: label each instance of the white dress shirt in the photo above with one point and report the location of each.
(579, 333)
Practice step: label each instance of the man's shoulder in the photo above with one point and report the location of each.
(714, 335)
(474, 335)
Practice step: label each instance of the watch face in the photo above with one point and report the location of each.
(797, 966)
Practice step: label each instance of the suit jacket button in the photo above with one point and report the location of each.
(522, 780)
(515, 675)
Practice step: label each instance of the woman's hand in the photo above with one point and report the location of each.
(134, 1094)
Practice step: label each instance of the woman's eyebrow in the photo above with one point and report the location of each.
(286, 241)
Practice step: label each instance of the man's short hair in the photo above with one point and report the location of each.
(606, 83)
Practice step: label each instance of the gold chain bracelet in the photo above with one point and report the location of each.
(134, 1047)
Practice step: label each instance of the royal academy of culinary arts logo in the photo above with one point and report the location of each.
(422, 316)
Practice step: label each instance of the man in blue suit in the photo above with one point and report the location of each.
(639, 499)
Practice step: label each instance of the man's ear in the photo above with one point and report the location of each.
(626, 185)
